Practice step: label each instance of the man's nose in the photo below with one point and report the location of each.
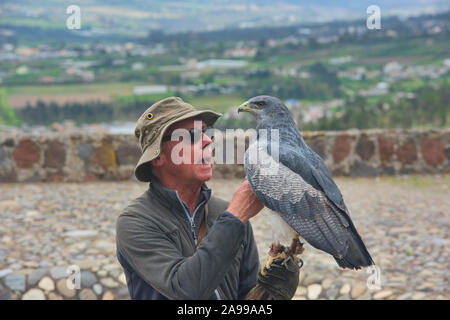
(206, 140)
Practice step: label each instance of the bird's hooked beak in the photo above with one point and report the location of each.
(244, 107)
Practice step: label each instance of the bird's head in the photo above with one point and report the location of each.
(264, 107)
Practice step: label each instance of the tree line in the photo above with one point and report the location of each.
(45, 113)
(428, 108)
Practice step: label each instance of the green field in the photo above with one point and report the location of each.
(413, 50)
(7, 113)
(123, 92)
(117, 88)
(219, 103)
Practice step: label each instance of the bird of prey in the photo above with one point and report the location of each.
(301, 193)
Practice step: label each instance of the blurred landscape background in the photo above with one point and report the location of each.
(69, 100)
(319, 57)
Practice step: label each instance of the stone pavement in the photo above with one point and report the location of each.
(45, 228)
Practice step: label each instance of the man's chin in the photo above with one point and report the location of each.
(204, 172)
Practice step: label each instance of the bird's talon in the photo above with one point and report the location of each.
(275, 249)
(299, 262)
(299, 249)
(271, 259)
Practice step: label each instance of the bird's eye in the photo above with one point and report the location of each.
(260, 104)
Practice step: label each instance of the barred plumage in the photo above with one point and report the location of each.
(301, 190)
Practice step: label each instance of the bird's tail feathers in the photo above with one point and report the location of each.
(357, 255)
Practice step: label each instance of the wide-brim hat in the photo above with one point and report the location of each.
(154, 122)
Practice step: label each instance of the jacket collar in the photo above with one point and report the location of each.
(169, 197)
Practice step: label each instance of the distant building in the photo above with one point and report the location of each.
(341, 60)
(119, 62)
(27, 52)
(241, 52)
(391, 33)
(189, 75)
(354, 74)
(157, 89)
(138, 66)
(313, 113)
(46, 79)
(22, 70)
(381, 88)
(221, 63)
(393, 66)
(292, 104)
(86, 75)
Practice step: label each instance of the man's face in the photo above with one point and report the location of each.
(198, 168)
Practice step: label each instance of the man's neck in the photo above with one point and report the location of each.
(188, 192)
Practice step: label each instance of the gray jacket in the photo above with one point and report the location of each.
(156, 244)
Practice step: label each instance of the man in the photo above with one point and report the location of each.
(176, 241)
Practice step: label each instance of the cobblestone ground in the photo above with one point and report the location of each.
(45, 228)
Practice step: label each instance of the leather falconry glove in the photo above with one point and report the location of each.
(278, 279)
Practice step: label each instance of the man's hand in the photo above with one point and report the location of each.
(244, 203)
(279, 281)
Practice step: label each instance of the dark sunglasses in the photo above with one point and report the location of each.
(195, 134)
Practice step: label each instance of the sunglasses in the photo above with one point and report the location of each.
(195, 134)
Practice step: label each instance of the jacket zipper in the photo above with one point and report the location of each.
(192, 223)
(193, 231)
(191, 219)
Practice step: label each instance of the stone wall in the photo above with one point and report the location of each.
(79, 157)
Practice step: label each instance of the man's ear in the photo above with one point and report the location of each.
(158, 162)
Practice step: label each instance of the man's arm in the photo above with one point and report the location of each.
(249, 266)
(155, 258)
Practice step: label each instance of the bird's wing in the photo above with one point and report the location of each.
(309, 212)
(324, 178)
(313, 170)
